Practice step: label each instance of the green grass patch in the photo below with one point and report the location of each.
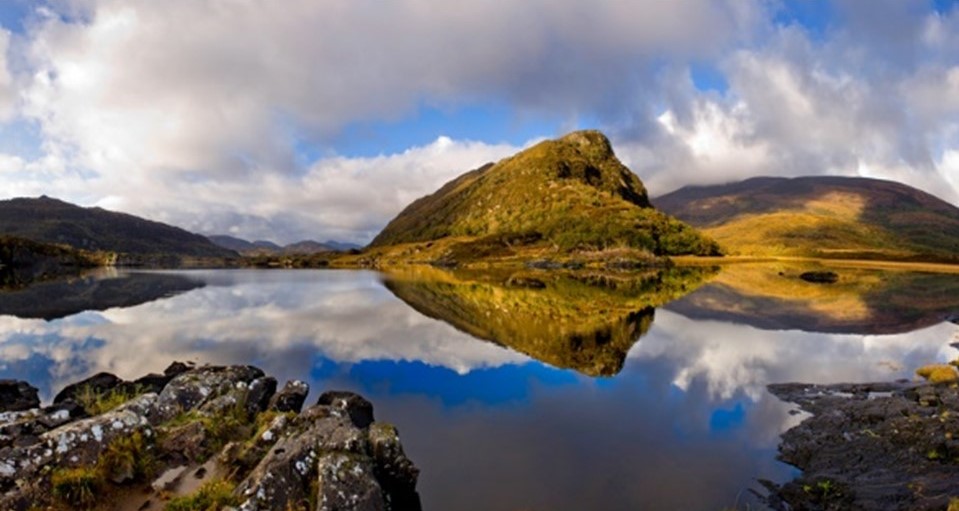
(212, 496)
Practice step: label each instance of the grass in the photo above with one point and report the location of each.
(78, 488)
(212, 496)
(938, 373)
(126, 459)
(571, 194)
(96, 402)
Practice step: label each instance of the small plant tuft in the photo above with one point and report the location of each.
(76, 487)
(212, 496)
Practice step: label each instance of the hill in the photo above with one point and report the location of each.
(564, 195)
(261, 247)
(50, 220)
(844, 217)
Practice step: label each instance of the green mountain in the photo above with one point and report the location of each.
(564, 195)
(839, 217)
(94, 229)
(260, 247)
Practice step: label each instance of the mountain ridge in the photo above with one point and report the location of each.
(48, 220)
(821, 216)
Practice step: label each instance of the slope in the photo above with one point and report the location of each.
(568, 194)
(53, 221)
(844, 217)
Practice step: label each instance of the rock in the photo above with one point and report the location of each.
(395, 472)
(291, 397)
(344, 482)
(525, 282)
(820, 277)
(100, 383)
(185, 444)
(332, 454)
(17, 396)
(358, 408)
(176, 369)
(259, 395)
(870, 447)
(199, 387)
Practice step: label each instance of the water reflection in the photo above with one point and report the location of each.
(685, 423)
(864, 301)
(95, 290)
(580, 320)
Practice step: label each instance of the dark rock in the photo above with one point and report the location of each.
(820, 277)
(176, 369)
(870, 446)
(100, 383)
(395, 472)
(525, 282)
(260, 393)
(150, 383)
(17, 396)
(357, 407)
(291, 397)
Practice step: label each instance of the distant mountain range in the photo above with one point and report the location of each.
(261, 247)
(560, 196)
(839, 217)
(53, 221)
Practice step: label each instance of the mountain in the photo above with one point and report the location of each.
(50, 220)
(565, 195)
(846, 217)
(261, 247)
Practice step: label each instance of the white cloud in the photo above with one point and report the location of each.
(194, 111)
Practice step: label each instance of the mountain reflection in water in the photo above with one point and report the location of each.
(582, 320)
(498, 417)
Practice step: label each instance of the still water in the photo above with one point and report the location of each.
(532, 390)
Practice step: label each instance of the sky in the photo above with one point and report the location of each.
(322, 119)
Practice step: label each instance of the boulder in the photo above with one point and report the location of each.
(291, 397)
(16, 396)
(100, 383)
(356, 406)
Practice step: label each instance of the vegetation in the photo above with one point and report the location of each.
(126, 459)
(49, 220)
(96, 402)
(831, 217)
(212, 496)
(563, 195)
(938, 373)
(584, 320)
(77, 488)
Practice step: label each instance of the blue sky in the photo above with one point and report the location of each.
(324, 119)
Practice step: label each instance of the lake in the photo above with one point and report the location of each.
(527, 390)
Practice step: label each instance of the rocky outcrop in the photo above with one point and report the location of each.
(252, 447)
(871, 447)
(16, 396)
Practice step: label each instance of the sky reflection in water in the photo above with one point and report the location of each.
(686, 422)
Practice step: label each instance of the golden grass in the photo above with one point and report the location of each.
(938, 373)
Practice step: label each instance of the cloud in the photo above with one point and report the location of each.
(796, 105)
(197, 112)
